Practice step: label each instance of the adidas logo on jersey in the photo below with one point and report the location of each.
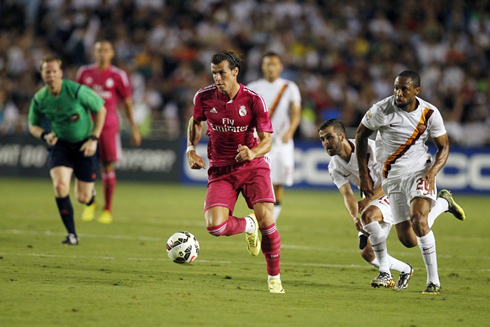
(214, 111)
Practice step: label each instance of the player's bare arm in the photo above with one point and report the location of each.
(246, 154)
(442, 145)
(90, 147)
(99, 120)
(294, 122)
(194, 132)
(38, 132)
(350, 202)
(135, 134)
(365, 181)
(366, 202)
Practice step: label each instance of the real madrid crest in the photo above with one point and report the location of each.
(242, 111)
(109, 82)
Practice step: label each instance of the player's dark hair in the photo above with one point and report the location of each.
(414, 77)
(232, 57)
(50, 59)
(337, 124)
(103, 41)
(271, 54)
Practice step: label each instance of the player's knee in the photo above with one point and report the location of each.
(265, 216)
(265, 221)
(61, 189)
(215, 221)
(84, 197)
(215, 224)
(417, 217)
(419, 223)
(368, 216)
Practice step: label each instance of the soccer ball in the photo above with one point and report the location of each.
(182, 247)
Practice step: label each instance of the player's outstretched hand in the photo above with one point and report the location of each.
(244, 154)
(358, 224)
(363, 204)
(89, 148)
(51, 138)
(195, 161)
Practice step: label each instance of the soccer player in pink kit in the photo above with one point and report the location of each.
(237, 163)
(111, 84)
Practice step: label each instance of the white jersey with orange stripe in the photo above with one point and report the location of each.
(269, 91)
(343, 172)
(403, 134)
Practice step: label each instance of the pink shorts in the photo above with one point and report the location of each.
(252, 179)
(110, 145)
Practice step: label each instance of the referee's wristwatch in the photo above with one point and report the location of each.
(93, 138)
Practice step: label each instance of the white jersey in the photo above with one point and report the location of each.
(281, 118)
(403, 135)
(343, 172)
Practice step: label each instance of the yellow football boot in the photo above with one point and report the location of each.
(275, 286)
(88, 213)
(105, 217)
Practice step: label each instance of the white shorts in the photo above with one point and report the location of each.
(402, 190)
(281, 156)
(383, 204)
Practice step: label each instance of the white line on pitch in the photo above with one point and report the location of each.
(48, 255)
(297, 264)
(50, 233)
(408, 253)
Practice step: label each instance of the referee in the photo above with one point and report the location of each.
(73, 138)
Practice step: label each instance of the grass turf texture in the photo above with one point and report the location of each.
(120, 273)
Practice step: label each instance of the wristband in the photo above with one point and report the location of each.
(190, 148)
(43, 136)
(93, 138)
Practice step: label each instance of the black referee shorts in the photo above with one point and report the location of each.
(69, 155)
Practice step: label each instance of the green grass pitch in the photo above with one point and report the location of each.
(120, 275)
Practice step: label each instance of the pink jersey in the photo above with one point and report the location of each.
(230, 122)
(111, 85)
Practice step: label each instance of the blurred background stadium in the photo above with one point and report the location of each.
(343, 55)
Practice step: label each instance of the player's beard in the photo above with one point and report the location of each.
(404, 106)
(334, 150)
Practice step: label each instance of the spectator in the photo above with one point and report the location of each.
(332, 47)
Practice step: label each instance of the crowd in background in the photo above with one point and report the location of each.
(343, 54)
